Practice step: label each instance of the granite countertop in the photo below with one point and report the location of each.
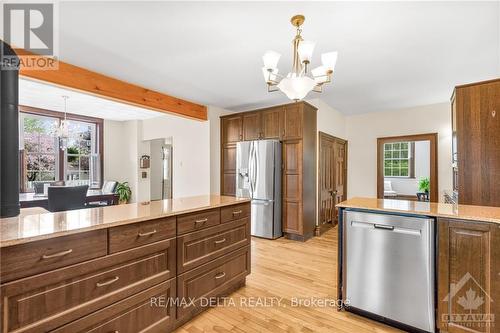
(36, 223)
(463, 212)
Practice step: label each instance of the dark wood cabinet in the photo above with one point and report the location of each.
(251, 126)
(468, 280)
(272, 123)
(295, 125)
(231, 129)
(125, 278)
(476, 125)
(292, 121)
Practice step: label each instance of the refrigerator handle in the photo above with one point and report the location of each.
(256, 164)
(250, 169)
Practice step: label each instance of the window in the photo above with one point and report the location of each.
(398, 159)
(41, 155)
(43, 160)
(80, 152)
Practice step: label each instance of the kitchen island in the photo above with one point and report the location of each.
(125, 268)
(453, 249)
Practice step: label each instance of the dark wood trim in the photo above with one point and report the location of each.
(70, 116)
(330, 137)
(433, 138)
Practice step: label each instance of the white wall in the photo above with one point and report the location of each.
(409, 186)
(120, 153)
(329, 120)
(363, 131)
(214, 114)
(190, 152)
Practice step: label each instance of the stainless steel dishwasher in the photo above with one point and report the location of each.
(389, 267)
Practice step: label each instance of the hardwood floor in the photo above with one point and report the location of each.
(281, 271)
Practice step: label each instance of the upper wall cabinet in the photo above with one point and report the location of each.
(272, 123)
(231, 129)
(292, 122)
(251, 126)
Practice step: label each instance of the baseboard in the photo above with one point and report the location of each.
(300, 238)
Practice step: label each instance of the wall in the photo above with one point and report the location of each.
(409, 186)
(190, 152)
(120, 153)
(363, 131)
(214, 114)
(329, 120)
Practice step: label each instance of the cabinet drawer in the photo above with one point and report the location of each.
(137, 234)
(134, 314)
(202, 246)
(197, 221)
(49, 300)
(235, 212)
(32, 258)
(211, 279)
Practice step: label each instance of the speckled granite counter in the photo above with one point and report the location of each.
(31, 225)
(463, 212)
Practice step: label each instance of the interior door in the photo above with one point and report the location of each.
(339, 180)
(326, 179)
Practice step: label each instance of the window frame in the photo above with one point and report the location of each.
(61, 167)
(410, 159)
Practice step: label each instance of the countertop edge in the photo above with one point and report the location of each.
(57, 234)
(422, 213)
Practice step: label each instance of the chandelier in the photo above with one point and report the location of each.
(298, 83)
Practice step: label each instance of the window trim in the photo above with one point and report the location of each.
(69, 116)
(411, 160)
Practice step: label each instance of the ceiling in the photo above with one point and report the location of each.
(45, 96)
(392, 55)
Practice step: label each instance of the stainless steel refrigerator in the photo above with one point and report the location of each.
(258, 176)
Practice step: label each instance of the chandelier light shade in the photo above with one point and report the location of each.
(298, 83)
(271, 59)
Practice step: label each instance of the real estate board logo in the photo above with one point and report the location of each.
(29, 29)
(472, 299)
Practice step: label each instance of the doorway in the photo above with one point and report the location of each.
(407, 167)
(332, 179)
(161, 169)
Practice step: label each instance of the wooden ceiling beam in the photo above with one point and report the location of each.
(87, 81)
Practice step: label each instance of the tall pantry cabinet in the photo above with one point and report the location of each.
(476, 143)
(295, 126)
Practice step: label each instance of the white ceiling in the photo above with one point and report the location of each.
(392, 55)
(45, 96)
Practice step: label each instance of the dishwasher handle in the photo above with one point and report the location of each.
(383, 226)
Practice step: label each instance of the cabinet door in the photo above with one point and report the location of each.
(292, 122)
(231, 129)
(228, 177)
(271, 123)
(467, 276)
(251, 126)
(292, 187)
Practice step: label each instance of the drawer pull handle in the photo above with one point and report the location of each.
(107, 283)
(220, 241)
(237, 212)
(220, 275)
(201, 221)
(58, 254)
(144, 234)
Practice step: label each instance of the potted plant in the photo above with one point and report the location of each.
(424, 185)
(124, 192)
